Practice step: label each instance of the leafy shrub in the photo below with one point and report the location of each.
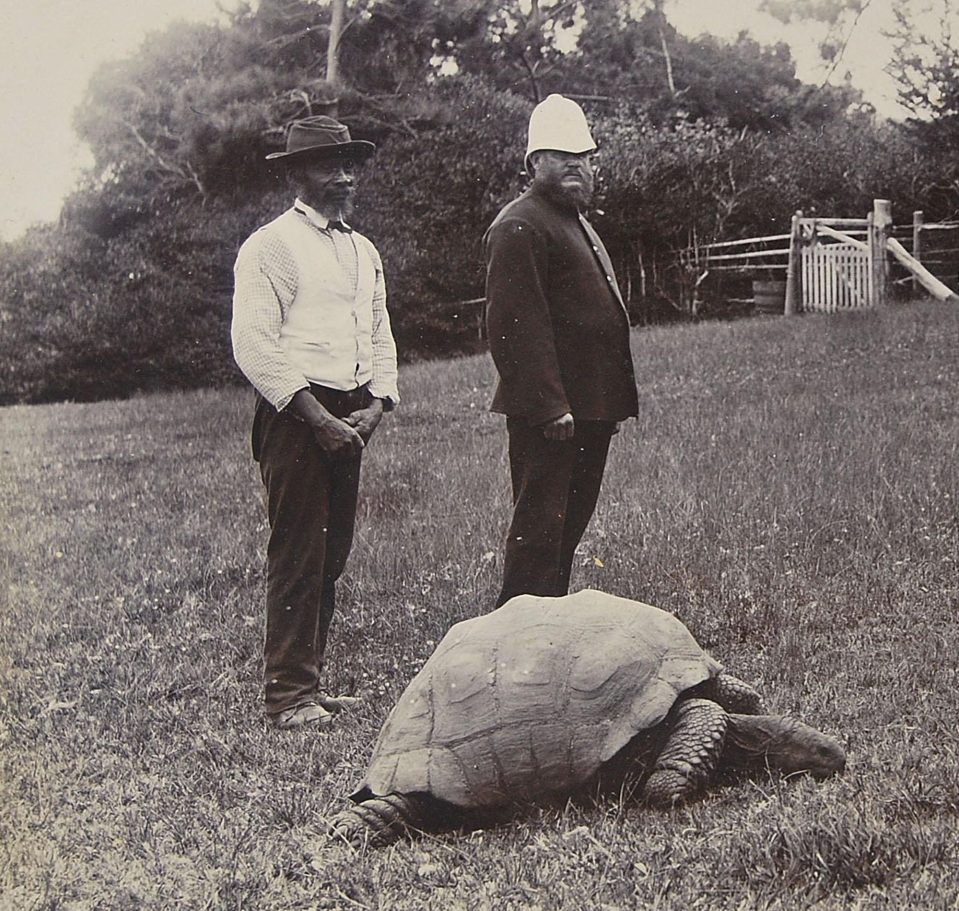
(428, 200)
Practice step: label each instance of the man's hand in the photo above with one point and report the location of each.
(337, 438)
(333, 435)
(561, 428)
(366, 419)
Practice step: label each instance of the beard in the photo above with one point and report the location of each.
(576, 196)
(346, 209)
(335, 206)
(334, 201)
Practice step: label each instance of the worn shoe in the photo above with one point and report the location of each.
(336, 704)
(303, 714)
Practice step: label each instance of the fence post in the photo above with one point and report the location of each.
(879, 223)
(793, 278)
(917, 222)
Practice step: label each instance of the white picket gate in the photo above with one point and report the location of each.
(835, 276)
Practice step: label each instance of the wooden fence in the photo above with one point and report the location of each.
(831, 264)
(936, 246)
(820, 265)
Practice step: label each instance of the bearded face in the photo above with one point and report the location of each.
(565, 177)
(326, 185)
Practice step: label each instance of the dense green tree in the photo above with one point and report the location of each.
(442, 190)
(700, 139)
(742, 83)
(666, 187)
(518, 48)
(925, 66)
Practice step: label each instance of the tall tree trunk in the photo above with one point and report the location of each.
(333, 48)
(661, 22)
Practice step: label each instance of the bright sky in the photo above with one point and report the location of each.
(50, 50)
(52, 47)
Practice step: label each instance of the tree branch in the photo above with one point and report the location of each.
(185, 173)
(845, 44)
(531, 71)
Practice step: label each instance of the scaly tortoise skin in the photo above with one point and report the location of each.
(535, 697)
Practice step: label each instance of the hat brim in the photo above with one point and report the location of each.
(354, 150)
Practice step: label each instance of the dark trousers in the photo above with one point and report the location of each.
(555, 487)
(311, 502)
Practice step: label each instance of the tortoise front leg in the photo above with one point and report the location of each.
(377, 821)
(691, 754)
(733, 694)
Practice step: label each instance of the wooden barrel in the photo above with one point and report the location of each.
(769, 296)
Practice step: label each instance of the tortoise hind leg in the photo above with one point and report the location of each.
(377, 821)
(691, 754)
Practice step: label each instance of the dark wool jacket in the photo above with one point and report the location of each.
(557, 327)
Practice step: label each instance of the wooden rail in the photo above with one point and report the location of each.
(833, 263)
(752, 254)
(841, 236)
(924, 255)
(746, 240)
(933, 285)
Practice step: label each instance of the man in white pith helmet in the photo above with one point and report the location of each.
(559, 336)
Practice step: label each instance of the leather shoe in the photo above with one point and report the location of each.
(336, 704)
(303, 714)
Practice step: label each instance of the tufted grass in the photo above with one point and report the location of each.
(789, 491)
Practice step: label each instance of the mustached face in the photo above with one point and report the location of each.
(565, 176)
(327, 186)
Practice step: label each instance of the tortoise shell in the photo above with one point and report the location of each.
(533, 698)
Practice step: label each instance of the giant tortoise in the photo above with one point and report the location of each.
(535, 697)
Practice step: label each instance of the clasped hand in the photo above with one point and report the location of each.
(347, 436)
(337, 438)
(365, 420)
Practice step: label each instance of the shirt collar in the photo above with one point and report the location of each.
(316, 218)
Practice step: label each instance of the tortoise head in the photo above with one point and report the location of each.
(784, 744)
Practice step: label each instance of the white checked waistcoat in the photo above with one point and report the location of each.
(301, 315)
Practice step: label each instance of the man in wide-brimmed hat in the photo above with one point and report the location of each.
(312, 334)
(559, 336)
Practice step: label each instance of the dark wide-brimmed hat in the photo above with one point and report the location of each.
(321, 138)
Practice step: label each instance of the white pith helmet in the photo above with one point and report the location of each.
(558, 123)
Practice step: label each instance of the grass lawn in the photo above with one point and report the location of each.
(789, 491)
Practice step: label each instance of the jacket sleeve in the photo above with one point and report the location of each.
(519, 323)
